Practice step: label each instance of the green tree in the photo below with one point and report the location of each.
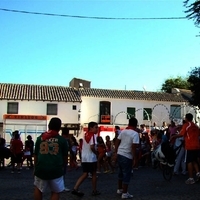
(178, 82)
(193, 10)
(194, 80)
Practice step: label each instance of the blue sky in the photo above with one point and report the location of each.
(112, 54)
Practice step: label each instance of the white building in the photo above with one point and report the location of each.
(116, 106)
(28, 108)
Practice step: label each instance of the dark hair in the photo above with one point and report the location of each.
(65, 131)
(117, 127)
(100, 140)
(15, 132)
(55, 124)
(91, 125)
(133, 122)
(29, 137)
(74, 140)
(16, 135)
(189, 117)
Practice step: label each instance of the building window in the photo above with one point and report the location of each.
(175, 111)
(52, 109)
(147, 113)
(12, 107)
(74, 107)
(131, 112)
(105, 117)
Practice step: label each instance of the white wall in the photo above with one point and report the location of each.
(65, 111)
(90, 110)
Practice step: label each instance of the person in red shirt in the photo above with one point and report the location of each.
(190, 132)
(16, 152)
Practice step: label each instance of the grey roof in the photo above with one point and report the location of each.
(38, 93)
(69, 94)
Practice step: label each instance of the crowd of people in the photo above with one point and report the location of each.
(56, 154)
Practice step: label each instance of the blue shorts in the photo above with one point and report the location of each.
(125, 166)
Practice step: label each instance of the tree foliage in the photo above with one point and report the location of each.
(194, 80)
(178, 82)
(193, 10)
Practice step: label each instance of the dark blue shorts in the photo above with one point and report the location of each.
(125, 166)
(89, 166)
(192, 156)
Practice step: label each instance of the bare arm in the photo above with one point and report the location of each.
(93, 149)
(117, 143)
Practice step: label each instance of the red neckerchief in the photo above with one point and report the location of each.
(88, 136)
(133, 128)
(49, 134)
(130, 127)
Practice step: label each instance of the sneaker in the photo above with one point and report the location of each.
(190, 181)
(126, 196)
(170, 165)
(12, 172)
(66, 189)
(90, 176)
(77, 193)
(95, 193)
(198, 177)
(98, 172)
(119, 191)
(163, 163)
(19, 172)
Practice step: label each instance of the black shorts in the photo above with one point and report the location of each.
(89, 166)
(16, 158)
(192, 156)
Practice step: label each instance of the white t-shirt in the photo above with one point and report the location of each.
(87, 154)
(127, 137)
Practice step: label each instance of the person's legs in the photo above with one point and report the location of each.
(13, 163)
(40, 187)
(120, 176)
(125, 188)
(190, 169)
(55, 196)
(196, 167)
(189, 161)
(177, 163)
(80, 180)
(37, 194)
(125, 167)
(94, 181)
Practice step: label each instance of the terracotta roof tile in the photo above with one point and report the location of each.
(38, 93)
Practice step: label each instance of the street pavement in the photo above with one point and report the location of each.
(146, 183)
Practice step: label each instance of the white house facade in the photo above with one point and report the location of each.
(117, 106)
(29, 108)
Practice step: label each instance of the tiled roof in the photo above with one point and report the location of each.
(38, 93)
(131, 94)
(69, 94)
(187, 94)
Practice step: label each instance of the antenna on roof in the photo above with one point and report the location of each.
(125, 87)
(144, 88)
